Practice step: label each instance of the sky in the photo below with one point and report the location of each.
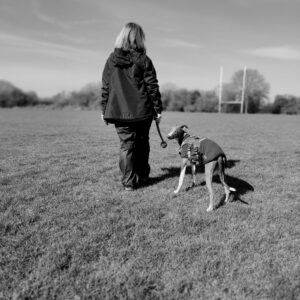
(62, 45)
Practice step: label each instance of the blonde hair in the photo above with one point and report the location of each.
(131, 36)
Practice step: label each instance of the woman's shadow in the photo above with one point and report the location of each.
(242, 187)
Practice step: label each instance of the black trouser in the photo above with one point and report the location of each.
(134, 151)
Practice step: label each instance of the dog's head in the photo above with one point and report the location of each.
(177, 133)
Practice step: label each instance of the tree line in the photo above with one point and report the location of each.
(255, 94)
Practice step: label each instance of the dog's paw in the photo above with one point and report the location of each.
(210, 208)
(174, 195)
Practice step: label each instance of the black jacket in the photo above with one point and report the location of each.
(130, 90)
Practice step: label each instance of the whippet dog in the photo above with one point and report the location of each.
(200, 151)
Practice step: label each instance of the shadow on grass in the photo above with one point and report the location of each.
(242, 187)
(175, 171)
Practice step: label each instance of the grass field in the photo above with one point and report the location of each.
(69, 231)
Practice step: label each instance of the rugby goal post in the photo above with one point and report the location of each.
(241, 102)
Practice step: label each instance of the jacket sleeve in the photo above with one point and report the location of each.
(105, 87)
(152, 85)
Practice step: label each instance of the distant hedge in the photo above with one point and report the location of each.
(11, 96)
(89, 97)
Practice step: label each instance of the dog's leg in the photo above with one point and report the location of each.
(222, 177)
(209, 171)
(193, 167)
(182, 173)
(227, 188)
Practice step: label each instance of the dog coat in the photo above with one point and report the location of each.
(200, 150)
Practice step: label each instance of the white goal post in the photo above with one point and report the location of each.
(241, 102)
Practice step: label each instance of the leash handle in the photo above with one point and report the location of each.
(163, 143)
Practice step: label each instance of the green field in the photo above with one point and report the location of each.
(69, 231)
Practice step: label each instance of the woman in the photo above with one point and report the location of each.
(130, 100)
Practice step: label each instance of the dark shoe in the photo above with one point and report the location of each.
(143, 181)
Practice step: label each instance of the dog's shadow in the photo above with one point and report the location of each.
(242, 187)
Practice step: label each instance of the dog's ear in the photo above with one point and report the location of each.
(184, 128)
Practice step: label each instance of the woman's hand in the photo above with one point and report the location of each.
(102, 118)
(157, 118)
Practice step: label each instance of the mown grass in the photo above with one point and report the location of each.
(69, 231)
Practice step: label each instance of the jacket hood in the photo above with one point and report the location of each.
(125, 58)
(121, 58)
